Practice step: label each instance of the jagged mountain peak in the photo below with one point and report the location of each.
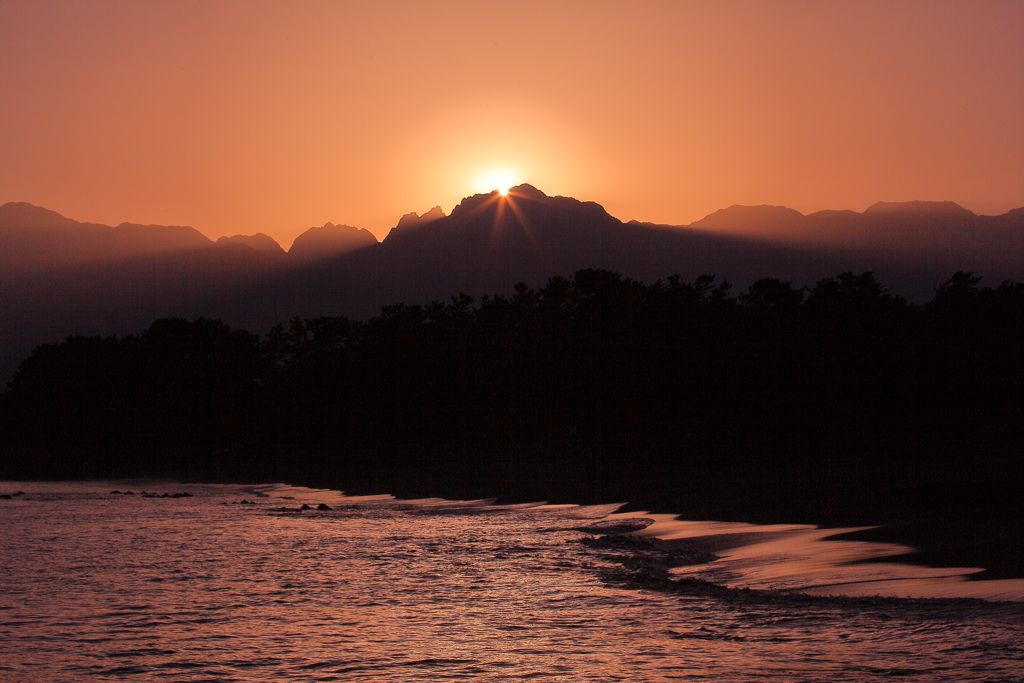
(527, 190)
(486, 208)
(413, 220)
(494, 231)
(525, 199)
(522, 192)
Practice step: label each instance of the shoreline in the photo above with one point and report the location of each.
(956, 499)
(666, 553)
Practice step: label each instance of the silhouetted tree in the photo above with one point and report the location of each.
(960, 286)
(772, 293)
(593, 356)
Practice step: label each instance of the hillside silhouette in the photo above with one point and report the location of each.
(33, 238)
(918, 234)
(61, 277)
(329, 241)
(257, 242)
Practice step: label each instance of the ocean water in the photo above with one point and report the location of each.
(96, 585)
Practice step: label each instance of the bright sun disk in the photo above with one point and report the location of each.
(496, 179)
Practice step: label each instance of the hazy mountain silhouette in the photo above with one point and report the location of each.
(34, 237)
(917, 234)
(258, 242)
(736, 218)
(61, 277)
(490, 242)
(919, 208)
(412, 220)
(28, 216)
(318, 244)
(493, 241)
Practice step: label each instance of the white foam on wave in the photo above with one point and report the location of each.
(583, 511)
(303, 494)
(807, 559)
(314, 496)
(788, 557)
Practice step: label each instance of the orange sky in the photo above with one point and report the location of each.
(245, 117)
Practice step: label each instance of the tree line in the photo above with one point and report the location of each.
(594, 356)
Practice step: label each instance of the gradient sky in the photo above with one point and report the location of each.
(245, 117)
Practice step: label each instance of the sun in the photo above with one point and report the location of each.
(500, 179)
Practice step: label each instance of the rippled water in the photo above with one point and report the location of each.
(102, 586)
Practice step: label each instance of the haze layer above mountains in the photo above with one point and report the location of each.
(59, 277)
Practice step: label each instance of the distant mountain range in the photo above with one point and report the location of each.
(944, 230)
(32, 238)
(60, 277)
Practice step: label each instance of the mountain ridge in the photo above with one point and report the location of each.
(918, 207)
(330, 240)
(488, 244)
(35, 237)
(258, 242)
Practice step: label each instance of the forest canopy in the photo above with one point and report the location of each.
(592, 356)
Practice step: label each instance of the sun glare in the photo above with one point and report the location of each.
(496, 179)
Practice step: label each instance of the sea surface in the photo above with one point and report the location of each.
(235, 583)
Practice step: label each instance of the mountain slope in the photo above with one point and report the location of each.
(32, 237)
(258, 242)
(66, 277)
(942, 234)
(328, 241)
